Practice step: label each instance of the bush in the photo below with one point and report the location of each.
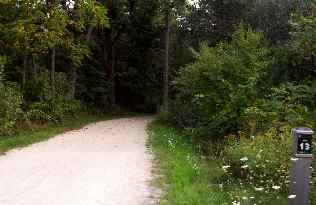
(53, 111)
(289, 104)
(49, 109)
(215, 91)
(10, 104)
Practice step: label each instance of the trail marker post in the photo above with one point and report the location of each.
(301, 162)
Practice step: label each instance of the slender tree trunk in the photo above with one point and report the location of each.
(109, 65)
(35, 69)
(166, 63)
(73, 83)
(53, 66)
(108, 55)
(112, 77)
(24, 71)
(89, 33)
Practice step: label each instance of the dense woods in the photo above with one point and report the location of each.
(234, 75)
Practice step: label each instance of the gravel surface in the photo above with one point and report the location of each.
(105, 163)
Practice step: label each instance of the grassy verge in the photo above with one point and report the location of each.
(27, 137)
(186, 178)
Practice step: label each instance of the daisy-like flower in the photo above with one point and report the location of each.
(244, 159)
(244, 167)
(259, 188)
(236, 202)
(276, 187)
(225, 168)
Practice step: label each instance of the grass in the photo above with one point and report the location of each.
(44, 132)
(186, 178)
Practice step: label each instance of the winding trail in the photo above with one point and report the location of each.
(105, 163)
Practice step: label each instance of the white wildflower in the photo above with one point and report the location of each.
(276, 187)
(244, 159)
(225, 168)
(259, 188)
(236, 202)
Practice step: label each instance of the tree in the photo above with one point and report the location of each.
(170, 9)
(303, 44)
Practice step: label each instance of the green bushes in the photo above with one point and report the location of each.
(226, 91)
(54, 111)
(214, 92)
(227, 99)
(48, 108)
(38, 107)
(10, 103)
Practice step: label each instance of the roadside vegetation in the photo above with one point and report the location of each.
(233, 105)
(43, 132)
(186, 177)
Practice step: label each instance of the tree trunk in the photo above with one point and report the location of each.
(53, 66)
(73, 83)
(108, 55)
(89, 33)
(112, 77)
(35, 69)
(109, 65)
(166, 63)
(24, 71)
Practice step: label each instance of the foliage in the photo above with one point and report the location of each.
(214, 92)
(10, 104)
(185, 176)
(259, 162)
(303, 45)
(289, 103)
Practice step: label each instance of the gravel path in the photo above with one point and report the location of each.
(105, 163)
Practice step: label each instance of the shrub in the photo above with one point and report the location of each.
(10, 104)
(215, 91)
(49, 109)
(54, 110)
(289, 103)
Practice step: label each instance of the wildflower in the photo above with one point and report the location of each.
(236, 203)
(276, 187)
(292, 196)
(244, 159)
(259, 188)
(225, 168)
(244, 167)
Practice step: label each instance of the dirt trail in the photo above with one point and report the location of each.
(105, 163)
